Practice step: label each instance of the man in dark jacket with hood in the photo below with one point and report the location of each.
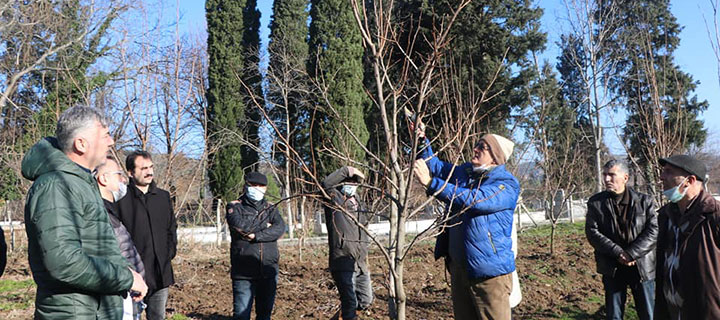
(481, 196)
(147, 213)
(255, 226)
(688, 250)
(621, 224)
(74, 256)
(348, 241)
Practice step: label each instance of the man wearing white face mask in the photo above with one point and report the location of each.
(348, 242)
(688, 250)
(255, 226)
(111, 182)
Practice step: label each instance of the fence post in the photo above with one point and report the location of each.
(218, 222)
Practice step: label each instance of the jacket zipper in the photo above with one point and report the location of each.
(261, 259)
(492, 244)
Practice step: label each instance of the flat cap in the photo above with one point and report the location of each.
(688, 163)
(256, 178)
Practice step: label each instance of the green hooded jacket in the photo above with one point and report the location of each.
(74, 256)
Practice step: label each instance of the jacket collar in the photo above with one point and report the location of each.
(152, 189)
(250, 202)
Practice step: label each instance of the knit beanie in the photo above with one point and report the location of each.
(500, 147)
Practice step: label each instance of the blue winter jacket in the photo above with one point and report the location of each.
(486, 203)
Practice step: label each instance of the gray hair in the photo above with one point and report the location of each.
(621, 165)
(74, 120)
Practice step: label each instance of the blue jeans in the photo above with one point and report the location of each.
(355, 291)
(262, 290)
(616, 294)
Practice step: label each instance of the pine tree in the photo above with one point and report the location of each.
(336, 54)
(484, 32)
(658, 96)
(226, 105)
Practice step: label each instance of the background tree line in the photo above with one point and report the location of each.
(339, 77)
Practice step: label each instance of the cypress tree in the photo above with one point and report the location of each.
(226, 107)
(252, 78)
(288, 50)
(336, 55)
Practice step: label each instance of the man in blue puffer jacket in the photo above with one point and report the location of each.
(481, 196)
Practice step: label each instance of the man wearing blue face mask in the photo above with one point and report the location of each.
(255, 226)
(348, 242)
(688, 250)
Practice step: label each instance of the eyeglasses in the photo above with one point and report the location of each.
(119, 172)
(482, 146)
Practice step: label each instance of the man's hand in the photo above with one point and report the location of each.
(250, 236)
(352, 171)
(138, 286)
(626, 260)
(419, 129)
(422, 173)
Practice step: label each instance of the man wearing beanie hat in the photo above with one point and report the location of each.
(476, 241)
(688, 250)
(255, 227)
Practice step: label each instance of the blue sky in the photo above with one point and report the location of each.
(694, 55)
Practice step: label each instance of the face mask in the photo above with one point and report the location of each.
(256, 193)
(121, 191)
(482, 168)
(349, 190)
(673, 194)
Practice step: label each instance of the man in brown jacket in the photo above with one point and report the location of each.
(688, 256)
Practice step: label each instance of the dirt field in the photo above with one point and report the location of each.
(562, 286)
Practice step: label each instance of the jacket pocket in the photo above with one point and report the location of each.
(492, 244)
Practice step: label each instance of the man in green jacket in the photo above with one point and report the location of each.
(74, 257)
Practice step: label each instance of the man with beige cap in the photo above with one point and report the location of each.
(476, 240)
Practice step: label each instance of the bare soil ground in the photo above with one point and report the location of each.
(559, 286)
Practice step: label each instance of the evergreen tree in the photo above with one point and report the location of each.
(662, 109)
(484, 31)
(336, 54)
(226, 105)
(252, 78)
(288, 50)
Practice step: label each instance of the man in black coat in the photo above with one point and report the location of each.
(255, 226)
(3, 252)
(147, 213)
(621, 224)
(348, 242)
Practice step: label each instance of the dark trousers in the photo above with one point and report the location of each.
(262, 290)
(616, 293)
(355, 291)
(154, 305)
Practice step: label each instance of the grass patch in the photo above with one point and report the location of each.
(179, 316)
(561, 229)
(16, 294)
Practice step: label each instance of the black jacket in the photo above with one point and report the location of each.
(348, 242)
(601, 228)
(151, 221)
(257, 258)
(127, 247)
(3, 252)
